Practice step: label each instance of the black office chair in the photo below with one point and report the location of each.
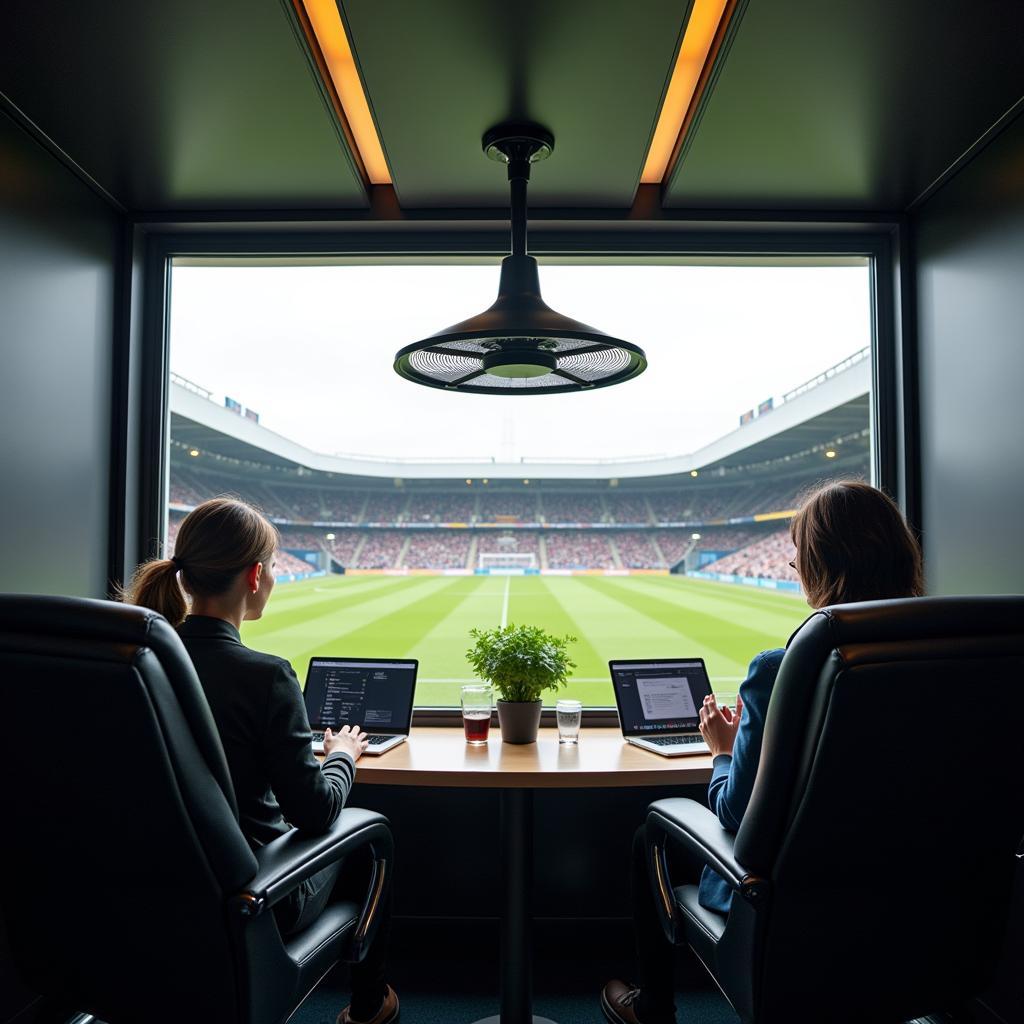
(128, 889)
(872, 870)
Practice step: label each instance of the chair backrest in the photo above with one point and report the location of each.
(122, 840)
(889, 805)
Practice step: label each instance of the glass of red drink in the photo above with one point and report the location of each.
(476, 714)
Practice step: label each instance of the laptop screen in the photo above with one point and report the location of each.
(375, 695)
(659, 696)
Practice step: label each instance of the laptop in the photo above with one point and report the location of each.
(374, 694)
(659, 704)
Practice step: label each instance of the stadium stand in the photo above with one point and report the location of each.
(303, 503)
(381, 549)
(443, 549)
(508, 507)
(385, 507)
(290, 564)
(343, 506)
(303, 540)
(441, 507)
(767, 558)
(571, 508)
(578, 549)
(675, 543)
(637, 551)
(628, 508)
(344, 545)
(742, 548)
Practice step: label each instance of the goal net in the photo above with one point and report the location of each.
(507, 560)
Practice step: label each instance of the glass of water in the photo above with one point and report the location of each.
(569, 714)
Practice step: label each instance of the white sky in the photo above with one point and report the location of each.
(311, 350)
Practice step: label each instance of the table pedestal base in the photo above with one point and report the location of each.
(516, 840)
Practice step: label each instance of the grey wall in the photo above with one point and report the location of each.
(969, 240)
(58, 256)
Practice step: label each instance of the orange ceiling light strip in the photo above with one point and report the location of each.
(329, 31)
(702, 30)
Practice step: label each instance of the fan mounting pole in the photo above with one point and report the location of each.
(518, 145)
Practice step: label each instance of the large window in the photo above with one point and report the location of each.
(648, 520)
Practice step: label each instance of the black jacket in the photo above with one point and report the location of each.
(257, 705)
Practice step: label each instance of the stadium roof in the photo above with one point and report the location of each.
(833, 408)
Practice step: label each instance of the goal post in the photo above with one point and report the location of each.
(506, 560)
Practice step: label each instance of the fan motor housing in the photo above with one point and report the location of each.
(519, 363)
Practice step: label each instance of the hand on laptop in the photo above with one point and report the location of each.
(348, 739)
(718, 725)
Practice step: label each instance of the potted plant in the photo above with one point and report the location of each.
(520, 662)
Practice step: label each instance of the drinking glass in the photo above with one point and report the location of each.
(569, 714)
(476, 714)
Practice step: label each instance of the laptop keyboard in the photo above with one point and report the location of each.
(373, 741)
(674, 741)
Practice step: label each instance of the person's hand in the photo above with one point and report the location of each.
(718, 725)
(348, 738)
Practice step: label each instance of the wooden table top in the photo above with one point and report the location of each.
(440, 756)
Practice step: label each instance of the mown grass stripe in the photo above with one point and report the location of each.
(775, 615)
(720, 635)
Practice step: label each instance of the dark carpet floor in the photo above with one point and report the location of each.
(454, 981)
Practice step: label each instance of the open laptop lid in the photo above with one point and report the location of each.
(375, 694)
(659, 695)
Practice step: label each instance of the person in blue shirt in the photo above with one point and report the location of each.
(852, 544)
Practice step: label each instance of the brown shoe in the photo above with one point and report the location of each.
(618, 1003)
(387, 1014)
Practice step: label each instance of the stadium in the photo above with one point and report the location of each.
(681, 556)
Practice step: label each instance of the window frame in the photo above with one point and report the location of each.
(142, 402)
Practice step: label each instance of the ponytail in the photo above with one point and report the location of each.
(155, 585)
(216, 541)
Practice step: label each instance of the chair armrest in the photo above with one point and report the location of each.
(699, 831)
(295, 856)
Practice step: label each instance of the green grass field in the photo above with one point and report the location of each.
(429, 617)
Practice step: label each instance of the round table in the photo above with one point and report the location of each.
(436, 756)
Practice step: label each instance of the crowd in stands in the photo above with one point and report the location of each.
(384, 507)
(751, 551)
(302, 502)
(173, 522)
(342, 506)
(572, 508)
(508, 506)
(767, 558)
(441, 507)
(674, 544)
(628, 508)
(293, 565)
(380, 549)
(303, 540)
(442, 549)
(541, 504)
(578, 549)
(637, 551)
(344, 544)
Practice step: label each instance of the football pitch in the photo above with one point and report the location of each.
(429, 618)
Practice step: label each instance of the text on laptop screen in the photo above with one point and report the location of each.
(664, 696)
(375, 695)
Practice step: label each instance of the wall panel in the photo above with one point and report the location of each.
(58, 260)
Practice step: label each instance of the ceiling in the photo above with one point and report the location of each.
(854, 105)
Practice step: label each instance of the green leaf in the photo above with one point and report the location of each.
(521, 662)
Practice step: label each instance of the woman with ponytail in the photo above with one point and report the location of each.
(222, 574)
